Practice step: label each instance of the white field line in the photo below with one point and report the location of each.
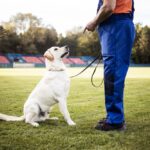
(134, 72)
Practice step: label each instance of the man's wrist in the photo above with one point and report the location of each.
(96, 22)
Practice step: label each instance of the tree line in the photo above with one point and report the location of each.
(25, 34)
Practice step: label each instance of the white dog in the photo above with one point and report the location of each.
(53, 88)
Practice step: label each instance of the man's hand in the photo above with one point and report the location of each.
(90, 26)
(104, 12)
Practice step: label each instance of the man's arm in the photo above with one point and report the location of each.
(104, 12)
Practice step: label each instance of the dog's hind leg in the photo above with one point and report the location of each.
(53, 118)
(30, 118)
(63, 109)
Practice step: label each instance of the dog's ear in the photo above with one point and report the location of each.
(48, 55)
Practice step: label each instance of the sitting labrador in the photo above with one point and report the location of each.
(53, 88)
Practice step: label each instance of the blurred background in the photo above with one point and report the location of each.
(28, 28)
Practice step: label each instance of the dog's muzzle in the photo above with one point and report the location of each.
(66, 53)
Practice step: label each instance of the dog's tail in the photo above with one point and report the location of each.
(11, 118)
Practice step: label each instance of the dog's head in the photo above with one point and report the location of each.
(54, 56)
(56, 53)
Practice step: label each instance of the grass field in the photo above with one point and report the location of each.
(86, 106)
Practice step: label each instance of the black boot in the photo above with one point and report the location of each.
(104, 126)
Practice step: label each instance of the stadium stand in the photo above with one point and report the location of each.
(77, 61)
(67, 61)
(4, 62)
(42, 59)
(32, 59)
(20, 60)
(87, 59)
(14, 57)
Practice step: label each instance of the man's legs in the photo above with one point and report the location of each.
(116, 41)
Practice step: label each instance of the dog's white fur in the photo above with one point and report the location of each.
(53, 88)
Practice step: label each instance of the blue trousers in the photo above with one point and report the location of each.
(116, 38)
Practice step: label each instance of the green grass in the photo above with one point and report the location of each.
(86, 106)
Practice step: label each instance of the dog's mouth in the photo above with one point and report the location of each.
(65, 54)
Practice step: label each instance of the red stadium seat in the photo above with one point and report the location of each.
(77, 61)
(32, 59)
(4, 60)
(67, 61)
(42, 59)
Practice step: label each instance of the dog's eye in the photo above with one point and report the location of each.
(55, 49)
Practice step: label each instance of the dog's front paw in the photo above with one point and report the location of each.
(71, 123)
(35, 124)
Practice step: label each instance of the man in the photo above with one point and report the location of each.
(114, 20)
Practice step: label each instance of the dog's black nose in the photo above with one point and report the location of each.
(66, 46)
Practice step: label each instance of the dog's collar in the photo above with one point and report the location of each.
(56, 70)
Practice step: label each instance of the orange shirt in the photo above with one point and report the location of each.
(123, 6)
